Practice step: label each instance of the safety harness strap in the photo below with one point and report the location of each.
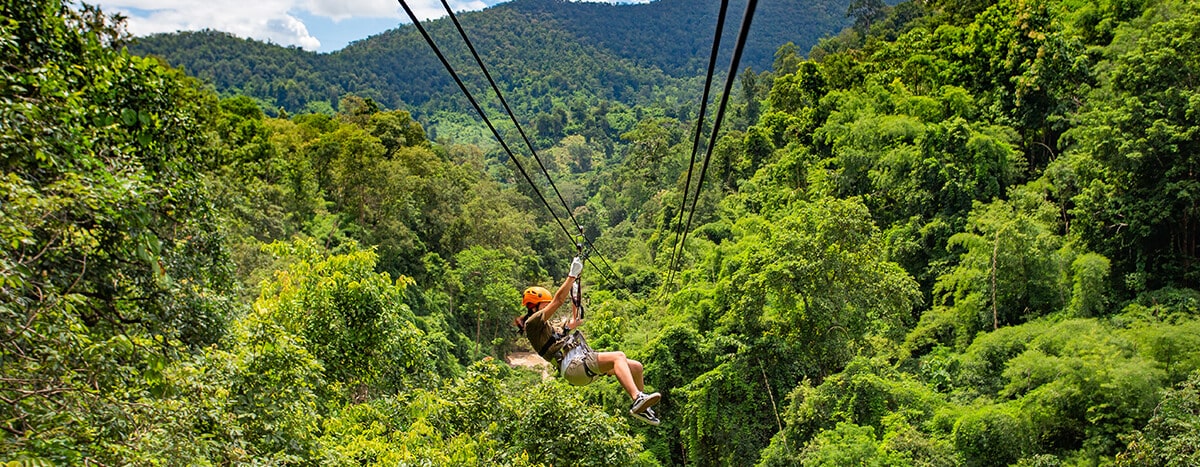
(556, 338)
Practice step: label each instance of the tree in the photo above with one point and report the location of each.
(868, 396)
(358, 173)
(485, 290)
(466, 422)
(396, 129)
(1008, 270)
(1080, 385)
(1170, 438)
(112, 258)
(673, 359)
(993, 436)
(1076, 384)
(749, 94)
(1089, 295)
(273, 386)
(866, 12)
(1138, 206)
(787, 59)
(815, 275)
(653, 161)
(351, 318)
(725, 420)
(798, 90)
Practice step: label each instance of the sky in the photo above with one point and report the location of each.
(316, 25)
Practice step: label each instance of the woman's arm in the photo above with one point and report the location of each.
(560, 297)
(564, 290)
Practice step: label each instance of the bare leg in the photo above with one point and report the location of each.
(616, 364)
(635, 367)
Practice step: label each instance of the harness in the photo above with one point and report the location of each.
(577, 342)
(560, 346)
(552, 349)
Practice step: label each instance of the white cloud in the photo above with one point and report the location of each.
(268, 20)
(258, 19)
(344, 9)
(293, 28)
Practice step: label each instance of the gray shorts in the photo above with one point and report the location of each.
(580, 366)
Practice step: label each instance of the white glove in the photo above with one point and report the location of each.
(576, 267)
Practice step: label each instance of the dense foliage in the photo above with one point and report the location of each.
(958, 233)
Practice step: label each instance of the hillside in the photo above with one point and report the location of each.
(676, 35)
(536, 48)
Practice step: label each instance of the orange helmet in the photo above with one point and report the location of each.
(535, 295)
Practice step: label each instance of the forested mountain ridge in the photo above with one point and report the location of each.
(959, 233)
(676, 36)
(535, 48)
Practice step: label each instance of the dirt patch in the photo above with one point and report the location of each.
(531, 361)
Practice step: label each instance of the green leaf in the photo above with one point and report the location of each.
(128, 117)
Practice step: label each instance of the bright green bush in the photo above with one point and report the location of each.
(352, 318)
(845, 444)
(993, 436)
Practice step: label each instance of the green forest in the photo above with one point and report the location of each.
(955, 233)
(551, 56)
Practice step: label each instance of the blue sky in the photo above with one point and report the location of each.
(317, 25)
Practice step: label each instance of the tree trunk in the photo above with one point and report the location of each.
(995, 312)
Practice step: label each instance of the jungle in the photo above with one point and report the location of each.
(950, 233)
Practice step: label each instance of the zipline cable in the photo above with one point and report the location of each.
(479, 109)
(712, 64)
(712, 139)
(521, 130)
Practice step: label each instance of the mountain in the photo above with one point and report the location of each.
(539, 50)
(676, 35)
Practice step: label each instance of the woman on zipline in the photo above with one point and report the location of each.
(578, 363)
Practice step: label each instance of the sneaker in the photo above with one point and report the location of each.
(646, 416)
(644, 401)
